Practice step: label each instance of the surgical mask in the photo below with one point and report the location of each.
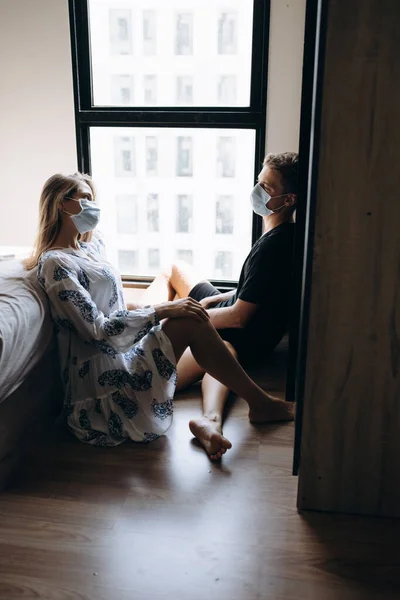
(89, 216)
(259, 200)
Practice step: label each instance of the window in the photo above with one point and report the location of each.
(124, 156)
(149, 33)
(153, 258)
(120, 31)
(121, 90)
(184, 34)
(227, 33)
(226, 152)
(184, 159)
(126, 214)
(127, 261)
(224, 214)
(227, 90)
(151, 156)
(184, 90)
(184, 220)
(150, 89)
(186, 255)
(223, 264)
(153, 221)
(166, 128)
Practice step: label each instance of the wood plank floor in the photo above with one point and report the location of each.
(162, 522)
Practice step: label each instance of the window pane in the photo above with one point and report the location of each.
(127, 261)
(122, 89)
(186, 53)
(175, 196)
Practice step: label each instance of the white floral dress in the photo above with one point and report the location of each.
(118, 366)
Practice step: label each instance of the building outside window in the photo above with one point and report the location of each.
(120, 31)
(149, 33)
(186, 255)
(184, 220)
(124, 156)
(227, 90)
(184, 34)
(226, 156)
(121, 90)
(227, 33)
(224, 221)
(150, 89)
(151, 156)
(223, 264)
(184, 89)
(126, 213)
(128, 261)
(184, 162)
(153, 255)
(153, 217)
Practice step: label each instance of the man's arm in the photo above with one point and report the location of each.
(236, 316)
(213, 300)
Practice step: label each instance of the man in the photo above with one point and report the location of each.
(253, 318)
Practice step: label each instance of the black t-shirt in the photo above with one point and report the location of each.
(265, 280)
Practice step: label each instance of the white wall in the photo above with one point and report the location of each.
(37, 127)
(37, 130)
(285, 75)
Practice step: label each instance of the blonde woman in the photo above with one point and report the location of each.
(119, 366)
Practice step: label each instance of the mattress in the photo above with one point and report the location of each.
(26, 329)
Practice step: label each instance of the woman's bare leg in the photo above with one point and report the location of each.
(176, 280)
(212, 355)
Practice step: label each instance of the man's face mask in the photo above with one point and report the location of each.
(259, 200)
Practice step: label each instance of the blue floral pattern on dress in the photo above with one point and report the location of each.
(164, 366)
(103, 347)
(61, 273)
(118, 378)
(143, 331)
(114, 327)
(115, 426)
(128, 405)
(134, 352)
(83, 279)
(87, 309)
(149, 437)
(84, 370)
(162, 410)
(122, 313)
(65, 324)
(114, 293)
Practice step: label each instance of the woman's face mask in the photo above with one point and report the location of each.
(89, 216)
(259, 200)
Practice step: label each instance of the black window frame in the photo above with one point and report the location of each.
(251, 117)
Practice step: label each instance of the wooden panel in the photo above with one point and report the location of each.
(351, 436)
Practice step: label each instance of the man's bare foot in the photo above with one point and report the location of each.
(273, 409)
(209, 434)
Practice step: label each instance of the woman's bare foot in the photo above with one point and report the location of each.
(272, 409)
(209, 434)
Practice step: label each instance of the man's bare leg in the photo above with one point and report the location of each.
(175, 281)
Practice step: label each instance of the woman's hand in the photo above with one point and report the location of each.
(184, 307)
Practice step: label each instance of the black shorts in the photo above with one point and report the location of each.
(201, 290)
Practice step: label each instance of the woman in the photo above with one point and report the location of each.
(119, 366)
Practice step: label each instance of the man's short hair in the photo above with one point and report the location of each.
(286, 164)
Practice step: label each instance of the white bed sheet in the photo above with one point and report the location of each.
(26, 329)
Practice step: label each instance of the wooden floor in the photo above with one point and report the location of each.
(161, 522)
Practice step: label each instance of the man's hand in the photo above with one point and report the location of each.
(210, 301)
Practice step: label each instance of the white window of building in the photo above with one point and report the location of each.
(150, 89)
(226, 156)
(227, 33)
(121, 90)
(184, 216)
(124, 156)
(149, 33)
(120, 31)
(153, 255)
(224, 221)
(153, 216)
(223, 264)
(126, 213)
(184, 34)
(184, 90)
(184, 159)
(186, 255)
(151, 156)
(227, 90)
(128, 261)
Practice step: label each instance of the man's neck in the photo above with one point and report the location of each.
(274, 220)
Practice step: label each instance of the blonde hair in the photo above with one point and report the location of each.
(55, 190)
